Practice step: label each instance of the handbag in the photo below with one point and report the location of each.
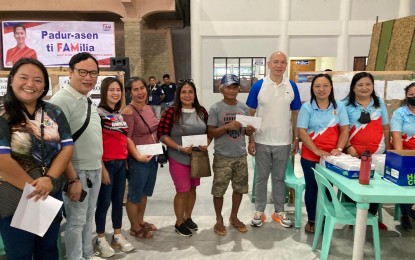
(161, 158)
(10, 195)
(200, 164)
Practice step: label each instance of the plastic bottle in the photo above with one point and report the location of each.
(365, 166)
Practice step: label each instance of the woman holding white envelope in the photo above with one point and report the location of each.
(185, 118)
(142, 124)
(34, 136)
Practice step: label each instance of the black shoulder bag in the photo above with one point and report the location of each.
(78, 133)
(161, 158)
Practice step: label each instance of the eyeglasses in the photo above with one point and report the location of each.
(185, 80)
(83, 73)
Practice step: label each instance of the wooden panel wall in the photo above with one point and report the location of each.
(392, 47)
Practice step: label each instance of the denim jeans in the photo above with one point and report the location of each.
(311, 189)
(79, 216)
(142, 179)
(23, 245)
(113, 192)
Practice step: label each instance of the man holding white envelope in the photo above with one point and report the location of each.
(229, 163)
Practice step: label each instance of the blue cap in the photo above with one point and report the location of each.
(229, 79)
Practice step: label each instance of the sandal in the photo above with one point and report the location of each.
(219, 229)
(238, 225)
(149, 226)
(141, 233)
(309, 227)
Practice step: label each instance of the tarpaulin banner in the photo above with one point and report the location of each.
(54, 43)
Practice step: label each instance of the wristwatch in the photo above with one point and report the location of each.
(53, 179)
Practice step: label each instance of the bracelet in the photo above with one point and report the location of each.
(178, 148)
(347, 147)
(74, 180)
(297, 138)
(340, 149)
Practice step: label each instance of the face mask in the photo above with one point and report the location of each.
(364, 118)
(411, 101)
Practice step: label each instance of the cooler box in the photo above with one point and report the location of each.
(400, 167)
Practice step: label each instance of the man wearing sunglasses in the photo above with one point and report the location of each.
(84, 171)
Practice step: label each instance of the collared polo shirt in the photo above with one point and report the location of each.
(403, 120)
(273, 103)
(88, 148)
(323, 126)
(368, 136)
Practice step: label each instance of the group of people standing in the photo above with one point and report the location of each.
(161, 97)
(327, 127)
(95, 148)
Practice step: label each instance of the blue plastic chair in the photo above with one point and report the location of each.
(298, 184)
(335, 212)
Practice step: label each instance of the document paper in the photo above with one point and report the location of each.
(35, 217)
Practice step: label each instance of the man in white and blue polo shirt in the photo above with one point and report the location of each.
(277, 101)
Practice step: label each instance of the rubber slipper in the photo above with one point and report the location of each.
(219, 229)
(150, 226)
(241, 227)
(141, 233)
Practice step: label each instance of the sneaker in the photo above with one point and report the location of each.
(183, 230)
(281, 217)
(104, 248)
(119, 241)
(259, 219)
(406, 222)
(191, 225)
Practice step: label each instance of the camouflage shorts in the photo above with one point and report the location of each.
(228, 169)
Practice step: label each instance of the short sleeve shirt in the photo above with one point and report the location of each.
(232, 143)
(367, 136)
(323, 126)
(403, 120)
(114, 135)
(273, 103)
(23, 142)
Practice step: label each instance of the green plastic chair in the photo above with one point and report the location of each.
(298, 184)
(1, 247)
(335, 212)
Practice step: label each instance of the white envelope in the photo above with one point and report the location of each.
(150, 149)
(35, 217)
(194, 140)
(249, 120)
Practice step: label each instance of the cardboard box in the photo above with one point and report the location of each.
(400, 167)
(346, 173)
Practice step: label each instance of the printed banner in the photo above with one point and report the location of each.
(54, 43)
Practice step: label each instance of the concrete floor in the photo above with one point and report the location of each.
(271, 241)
